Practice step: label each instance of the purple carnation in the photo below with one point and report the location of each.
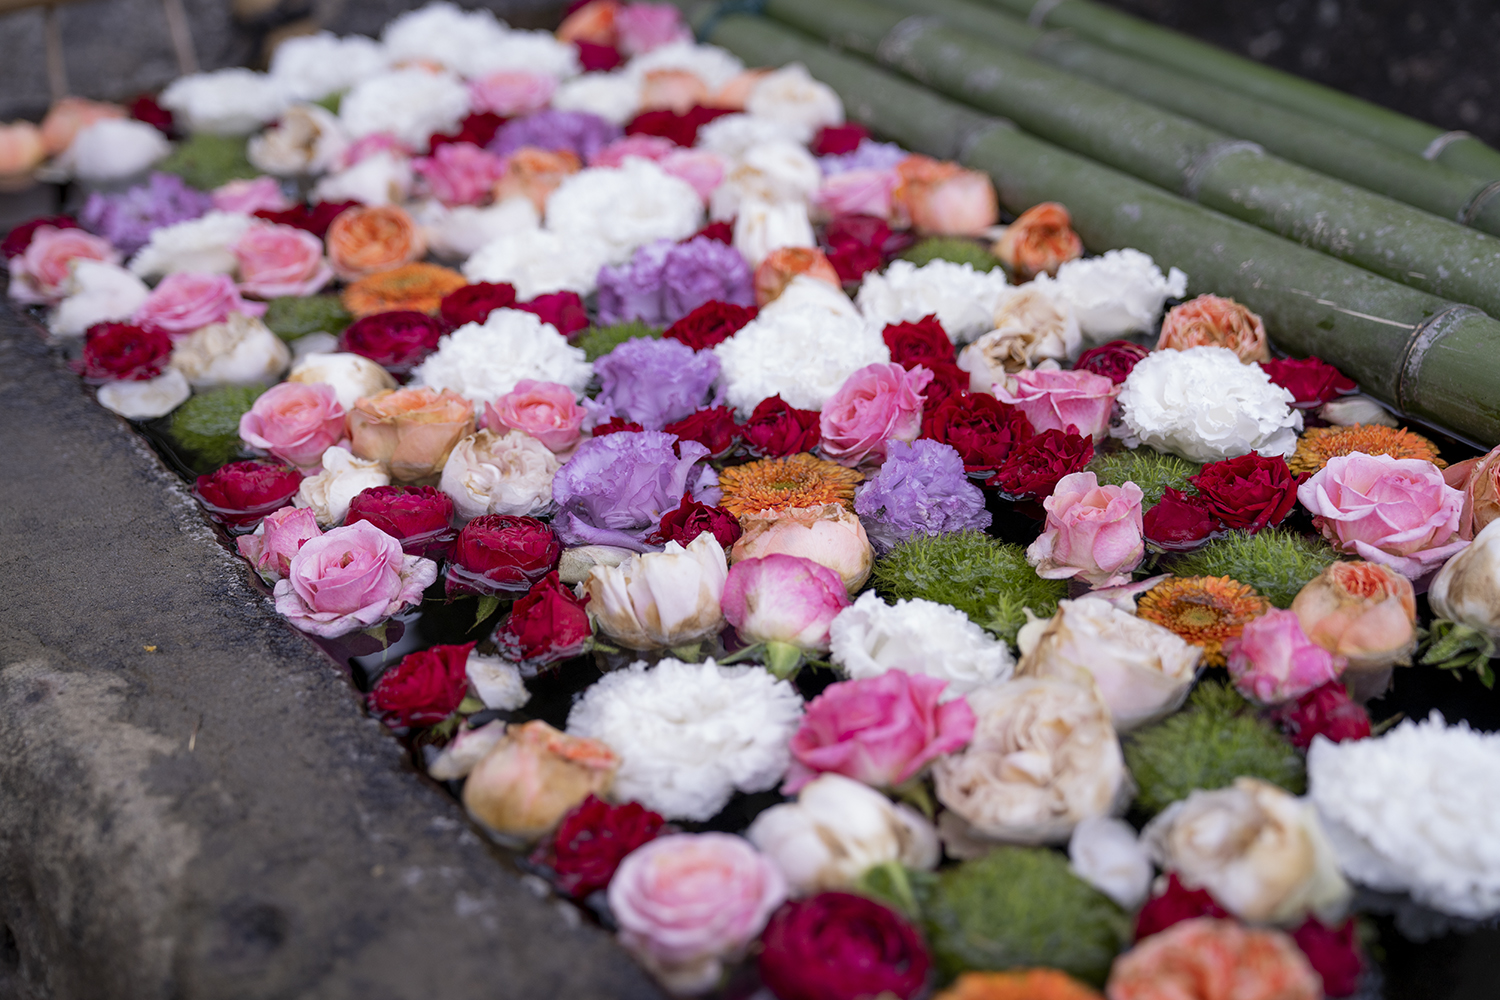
(665, 281)
(615, 489)
(920, 490)
(633, 290)
(128, 218)
(576, 131)
(654, 382)
(870, 155)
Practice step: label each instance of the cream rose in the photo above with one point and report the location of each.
(1029, 327)
(343, 478)
(488, 473)
(239, 351)
(660, 599)
(351, 376)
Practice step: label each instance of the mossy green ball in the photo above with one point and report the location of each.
(597, 341)
(293, 316)
(208, 161)
(1276, 562)
(959, 251)
(208, 424)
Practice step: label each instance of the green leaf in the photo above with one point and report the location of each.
(1455, 646)
(470, 705)
(487, 605)
(688, 654)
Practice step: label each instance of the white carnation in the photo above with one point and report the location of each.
(1205, 405)
(343, 478)
(963, 299)
(411, 104)
(790, 96)
(456, 233)
(239, 351)
(520, 52)
(200, 244)
(381, 179)
(775, 171)
(226, 101)
(114, 148)
(691, 734)
(483, 362)
(919, 637)
(146, 400)
(308, 139)
(497, 681)
(625, 207)
(538, 261)
(763, 226)
(97, 292)
(615, 97)
(733, 136)
(310, 67)
(709, 63)
(1113, 294)
(441, 33)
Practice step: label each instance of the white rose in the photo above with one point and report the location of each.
(1467, 588)
(310, 67)
(520, 51)
(497, 681)
(96, 292)
(792, 97)
(709, 63)
(411, 104)
(625, 207)
(964, 300)
(537, 262)
(615, 97)
(1106, 854)
(225, 102)
(457, 233)
(733, 136)
(837, 830)
(1029, 327)
(1260, 852)
(343, 478)
(661, 599)
(919, 637)
(763, 226)
(201, 244)
(1115, 293)
(114, 148)
(381, 179)
(469, 747)
(352, 376)
(1357, 409)
(308, 139)
(776, 171)
(309, 344)
(239, 351)
(146, 400)
(484, 361)
(510, 473)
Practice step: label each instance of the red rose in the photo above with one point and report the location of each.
(563, 310)
(547, 625)
(18, 239)
(424, 688)
(315, 219)
(948, 382)
(1173, 907)
(120, 352)
(500, 554)
(710, 324)
(856, 244)
(924, 342)
(692, 519)
(713, 427)
(776, 430)
(616, 425)
(1178, 522)
(680, 128)
(835, 140)
(476, 129)
(851, 261)
(979, 427)
(1333, 954)
(474, 303)
(593, 839)
(1033, 467)
(145, 109)
(721, 231)
(1249, 492)
(839, 946)
(419, 517)
(1113, 360)
(239, 494)
(1325, 711)
(1311, 380)
(596, 58)
(396, 341)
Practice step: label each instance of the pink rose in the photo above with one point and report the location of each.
(510, 93)
(280, 536)
(783, 599)
(687, 902)
(880, 730)
(349, 579)
(188, 300)
(942, 198)
(1394, 511)
(647, 147)
(37, 276)
(1093, 532)
(1061, 400)
(548, 411)
(459, 173)
(249, 197)
(877, 404)
(372, 145)
(699, 167)
(858, 192)
(642, 27)
(1273, 660)
(295, 421)
(280, 260)
(831, 535)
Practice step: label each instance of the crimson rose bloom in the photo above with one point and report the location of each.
(145, 109)
(314, 218)
(616, 425)
(680, 128)
(122, 352)
(1033, 467)
(979, 427)
(596, 58)
(474, 303)
(1334, 955)
(835, 140)
(416, 516)
(547, 625)
(477, 129)
(1249, 492)
(500, 554)
(396, 341)
(563, 310)
(692, 519)
(1178, 522)
(839, 946)
(1177, 904)
(1311, 380)
(721, 231)
(1113, 360)
(714, 428)
(710, 324)
(776, 430)
(18, 239)
(1325, 711)
(948, 382)
(855, 244)
(424, 688)
(924, 342)
(239, 494)
(593, 839)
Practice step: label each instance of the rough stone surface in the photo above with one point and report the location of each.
(192, 802)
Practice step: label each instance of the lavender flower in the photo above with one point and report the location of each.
(128, 218)
(576, 131)
(654, 382)
(920, 490)
(615, 489)
(870, 155)
(633, 290)
(665, 281)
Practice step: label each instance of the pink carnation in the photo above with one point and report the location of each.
(511, 93)
(642, 27)
(1093, 532)
(1274, 661)
(459, 173)
(548, 411)
(249, 197)
(1061, 400)
(38, 274)
(281, 535)
(858, 192)
(295, 421)
(280, 260)
(878, 404)
(188, 300)
(349, 579)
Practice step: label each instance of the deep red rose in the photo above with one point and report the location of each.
(476, 129)
(948, 382)
(835, 140)
(474, 303)
(710, 324)
(856, 244)
(500, 554)
(1311, 380)
(616, 425)
(1178, 521)
(315, 218)
(776, 430)
(596, 58)
(680, 128)
(721, 231)
(1250, 492)
(839, 946)
(1033, 467)
(1333, 953)
(713, 427)
(396, 341)
(145, 109)
(979, 427)
(424, 688)
(419, 517)
(239, 494)
(924, 342)
(692, 519)
(547, 625)
(1325, 711)
(1174, 906)
(1113, 360)
(563, 310)
(18, 239)
(121, 352)
(851, 261)
(593, 839)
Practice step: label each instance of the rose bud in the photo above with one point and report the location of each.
(943, 199)
(661, 599)
(411, 431)
(351, 376)
(691, 519)
(564, 310)
(547, 625)
(548, 411)
(1467, 588)
(500, 554)
(1479, 478)
(786, 602)
(424, 688)
(876, 405)
(1328, 712)
(1362, 611)
(830, 535)
(120, 352)
(839, 946)
(270, 549)
(349, 579)
(710, 324)
(419, 517)
(239, 494)
(921, 343)
(776, 430)
(1248, 493)
(1039, 242)
(714, 427)
(1034, 468)
(1093, 532)
(397, 341)
(593, 839)
(1273, 660)
(474, 303)
(1178, 522)
(294, 422)
(1078, 400)
(535, 776)
(1311, 381)
(781, 266)
(1113, 360)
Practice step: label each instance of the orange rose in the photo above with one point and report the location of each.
(1207, 959)
(593, 22)
(410, 430)
(71, 115)
(414, 287)
(1479, 478)
(535, 173)
(1018, 984)
(1211, 321)
(365, 239)
(1042, 239)
(534, 777)
(733, 95)
(21, 150)
(942, 198)
(781, 266)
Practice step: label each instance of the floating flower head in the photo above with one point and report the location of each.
(778, 484)
(1318, 444)
(1204, 610)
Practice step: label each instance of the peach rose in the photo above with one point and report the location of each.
(943, 199)
(1479, 478)
(418, 287)
(534, 777)
(548, 411)
(672, 90)
(509, 93)
(830, 535)
(364, 240)
(412, 431)
(1092, 533)
(594, 22)
(1211, 321)
(22, 150)
(71, 115)
(280, 260)
(1207, 959)
(1362, 611)
(39, 274)
(534, 174)
(733, 95)
(781, 266)
(1040, 241)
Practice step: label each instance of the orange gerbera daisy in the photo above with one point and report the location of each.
(781, 483)
(1203, 610)
(412, 287)
(1018, 984)
(1319, 444)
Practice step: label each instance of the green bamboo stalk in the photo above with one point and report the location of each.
(1231, 175)
(1325, 148)
(1428, 357)
(1124, 33)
